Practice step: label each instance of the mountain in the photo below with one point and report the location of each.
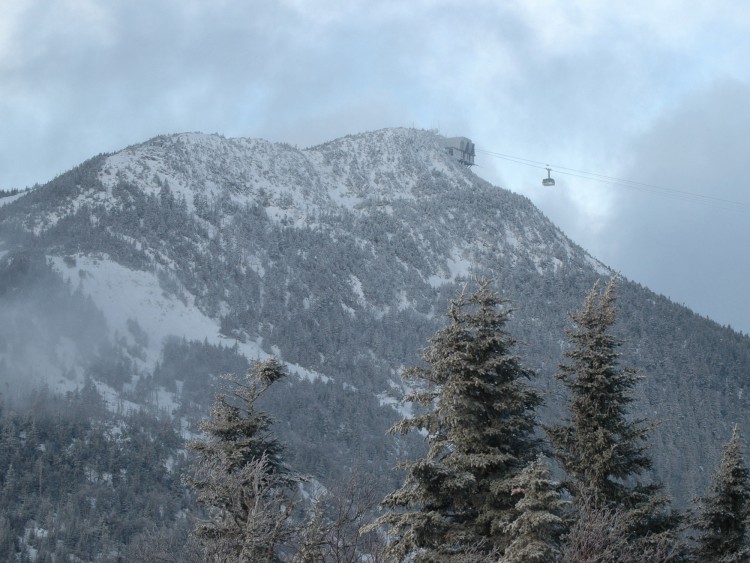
(154, 270)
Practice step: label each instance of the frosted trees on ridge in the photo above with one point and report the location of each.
(478, 415)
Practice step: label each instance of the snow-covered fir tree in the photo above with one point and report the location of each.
(723, 516)
(239, 475)
(602, 449)
(479, 420)
(536, 534)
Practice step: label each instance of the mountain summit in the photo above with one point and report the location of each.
(173, 259)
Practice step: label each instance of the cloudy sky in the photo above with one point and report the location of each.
(655, 92)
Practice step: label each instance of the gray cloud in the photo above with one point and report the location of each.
(616, 88)
(688, 247)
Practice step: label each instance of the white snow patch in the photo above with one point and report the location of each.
(458, 267)
(404, 409)
(357, 289)
(351, 312)
(304, 373)
(11, 198)
(511, 240)
(114, 401)
(124, 294)
(403, 301)
(166, 401)
(598, 266)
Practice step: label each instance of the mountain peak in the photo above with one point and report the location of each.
(339, 259)
(384, 165)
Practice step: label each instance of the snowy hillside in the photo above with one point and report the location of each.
(340, 260)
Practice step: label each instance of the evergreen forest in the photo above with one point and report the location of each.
(219, 349)
(84, 482)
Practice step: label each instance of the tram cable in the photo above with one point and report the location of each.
(613, 180)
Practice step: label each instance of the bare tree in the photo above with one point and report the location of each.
(603, 535)
(334, 532)
(173, 545)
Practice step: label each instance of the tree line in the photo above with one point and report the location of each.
(493, 485)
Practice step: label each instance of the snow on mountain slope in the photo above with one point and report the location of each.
(197, 163)
(10, 199)
(383, 164)
(340, 259)
(384, 171)
(126, 295)
(229, 223)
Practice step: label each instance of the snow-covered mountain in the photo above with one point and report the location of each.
(340, 260)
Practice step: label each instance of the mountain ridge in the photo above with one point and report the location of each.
(341, 259)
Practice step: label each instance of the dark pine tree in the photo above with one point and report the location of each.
(723, 515)
(478, 416)
(239, 475)
(603, 450)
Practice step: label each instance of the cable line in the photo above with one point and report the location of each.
(631, 184)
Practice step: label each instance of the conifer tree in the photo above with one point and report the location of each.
(239, 475)
(535, 536)
(723, 517)
(602, 449)
(479, 420)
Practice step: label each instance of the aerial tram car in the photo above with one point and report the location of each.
(463, 150)
(549, 180)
